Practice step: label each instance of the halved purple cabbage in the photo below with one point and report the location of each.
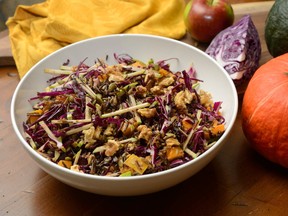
(237, 49)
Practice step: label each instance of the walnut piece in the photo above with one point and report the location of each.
(145, 132)
(182, 98)
(147, 112)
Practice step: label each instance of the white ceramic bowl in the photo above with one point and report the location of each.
(143, 47)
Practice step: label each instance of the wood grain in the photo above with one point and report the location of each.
(237, 182)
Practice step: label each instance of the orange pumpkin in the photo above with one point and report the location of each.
(265, 110)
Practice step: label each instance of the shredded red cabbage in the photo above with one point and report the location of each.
(131, 118)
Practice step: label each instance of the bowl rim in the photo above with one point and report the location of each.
(130, 178)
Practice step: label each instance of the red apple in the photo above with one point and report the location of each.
(204, 19)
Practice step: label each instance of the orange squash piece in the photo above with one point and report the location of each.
(174, 152)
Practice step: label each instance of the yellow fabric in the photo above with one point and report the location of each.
(36, 31)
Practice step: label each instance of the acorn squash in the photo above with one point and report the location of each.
(276, 28)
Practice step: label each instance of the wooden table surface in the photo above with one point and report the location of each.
(237, 182)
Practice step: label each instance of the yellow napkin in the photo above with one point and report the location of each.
(36, 31)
